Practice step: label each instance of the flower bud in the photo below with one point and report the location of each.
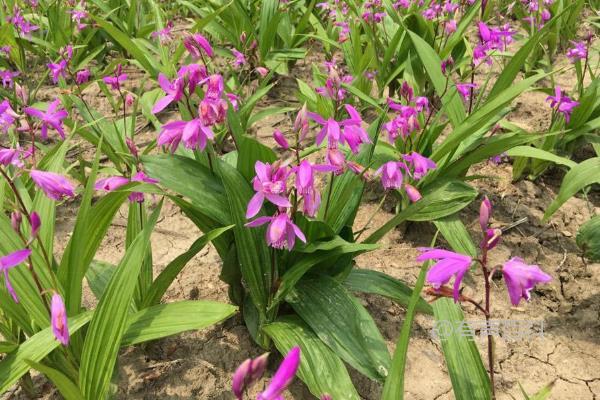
(280, 139)
(247, 374)
(326, 396)
(132, 147)
(301, 122)
(412, 192)
(243, 37)
(21, 93)
(262, 71)
(491, 239)
(15, 221)
(35, 222)
(485, 211)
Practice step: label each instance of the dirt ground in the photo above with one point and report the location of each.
(199, 365)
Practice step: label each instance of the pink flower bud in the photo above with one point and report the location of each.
(280, 139)
(21, 93)
(250, 371)
(129, 100)
(243, 37)
(485, 211)
(59, 320)
(15, 221)
(262, 71)
(132, 147)
(412, 192)
(491, 238)
(35, 222)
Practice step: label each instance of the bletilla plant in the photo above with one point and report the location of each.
(519, 277)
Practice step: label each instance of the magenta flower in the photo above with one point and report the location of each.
(464, 89)
(577, 52)
(421, 165)
(7, 78)
(171, 134)
(563, 104)
(281, 232)
(353, 133)
(163, 35)
(391, 174)
(10, 157)
(111, 183)
(247, 374)
(7, 116)
(269, 183)
(448, 264)
(82, 76)
(10, 261)
(520, 278)
(280, 139)
(140, 176)
(52, 118)
(193, 74)
(58, 70)
(283, 377)
(240, 58)
(174, 91)
(117, 79)
(35, 222)
(330, 130)
(60, 329)
(195, 135)
(196, 44)
(54, 185)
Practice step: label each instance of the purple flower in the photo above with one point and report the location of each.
(391, 174)
(193, 74)
(7, 78)
(196, 43)
(578, 52)
(520, 278)
(7, 116)
(563, 104)
(269, 183)
(283, 377)
(54, 185)
(421, 165)
(465, 89)
(10, 261)
(163, 35)
(117, 79)
(353, 134)
(247, 374)
(140, 176)
(330, 130)
(10, 157)
(50, 118)
(59, 320)
(448, 264)
(82, 76)
(58, 70)
(174, 91)
(195, 135)
(240, 59)
(281, 232)
(35, 222)
(111, 183)
(170, 135)
(280, 139)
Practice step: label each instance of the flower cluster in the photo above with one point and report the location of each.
(562, 103)
(333, 88)
(519, 277)
(406, 121)
(491, 39)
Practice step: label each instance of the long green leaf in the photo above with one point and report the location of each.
(342, 323)
(169, 319)
(375, 282)
(106, 329)
(580, 176)
(467, 373)
(321, 370)
(431, 62)
(532, 152)
(65, 386)
(176, 172)
(588, 238)
(166, 277)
